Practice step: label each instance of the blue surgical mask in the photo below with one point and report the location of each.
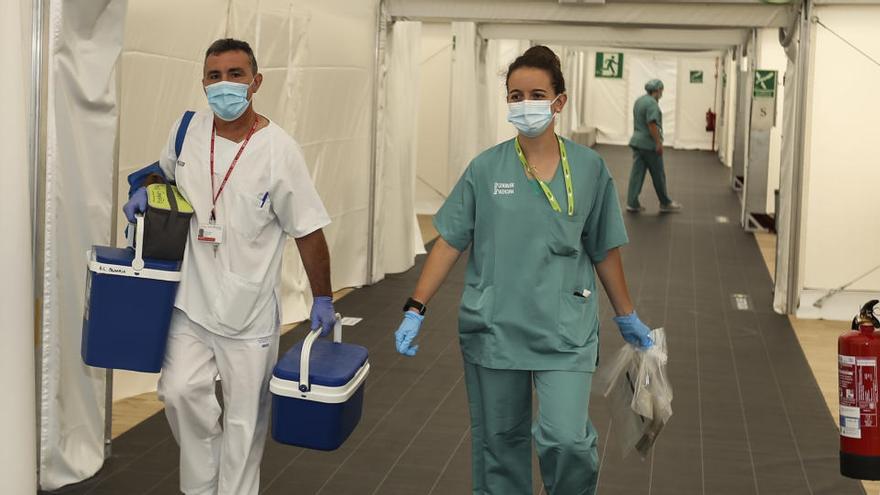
(531, 117)
(228, 99)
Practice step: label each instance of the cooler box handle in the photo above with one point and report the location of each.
(304, 385)
(138, 263)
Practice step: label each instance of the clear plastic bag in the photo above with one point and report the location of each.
(639, 394)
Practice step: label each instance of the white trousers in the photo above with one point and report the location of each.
(217, 460)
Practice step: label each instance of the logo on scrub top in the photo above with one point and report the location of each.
(503, 188)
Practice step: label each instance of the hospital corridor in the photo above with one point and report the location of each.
(408, 247)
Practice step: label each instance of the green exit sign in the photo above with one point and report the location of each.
(609, 65)
(765, 84)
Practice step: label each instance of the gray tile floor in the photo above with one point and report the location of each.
(748, 414)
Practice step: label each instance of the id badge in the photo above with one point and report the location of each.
(211, 234)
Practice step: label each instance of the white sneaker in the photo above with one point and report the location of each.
(673, 207)
(633, 209)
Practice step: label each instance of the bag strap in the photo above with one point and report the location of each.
(172, 198)
(181, 132)
(136, 178)
(172, 201)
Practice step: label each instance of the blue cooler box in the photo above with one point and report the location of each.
(128, 309)
(322, 410)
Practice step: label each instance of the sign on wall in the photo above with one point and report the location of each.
(764, 101)
(609, 65)
(696, 77)
(765, 84)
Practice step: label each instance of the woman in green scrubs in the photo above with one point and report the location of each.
(541, 217)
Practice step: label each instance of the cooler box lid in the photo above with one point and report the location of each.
(105, 260)
(331, 364)
(124, 256)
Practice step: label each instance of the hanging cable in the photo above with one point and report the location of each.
(429, 186)
(832, 292)
(854, 47)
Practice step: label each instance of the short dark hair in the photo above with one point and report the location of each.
(540, 57)
(230, 45)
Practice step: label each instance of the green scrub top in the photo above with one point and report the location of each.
(645, 111)
(519, 309)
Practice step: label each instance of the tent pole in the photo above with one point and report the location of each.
(715, 100)
(374, 140)
(797, 181)
(36, 156)
(114, 232)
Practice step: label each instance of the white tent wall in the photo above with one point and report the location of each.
(726, 123)
(745, 64)
(567, 120)
(432, 149)
(695, 98)
(682, 13)
(469, 130)
(317, 85)
(325, 102)
(609, 101)
(85, 39)
(17, 428)
(607, 104)
(493, 89)
(771, 56)
(784, 217)
(398, 238)
(506, 52)
(840, 240)
(580, 89)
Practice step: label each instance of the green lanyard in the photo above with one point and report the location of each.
(566, 170)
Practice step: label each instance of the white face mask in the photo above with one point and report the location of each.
(531, 117)
(228, 99)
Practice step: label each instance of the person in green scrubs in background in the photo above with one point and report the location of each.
(647, 147)
(541, 217)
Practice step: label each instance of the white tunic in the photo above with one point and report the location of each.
(269, 195)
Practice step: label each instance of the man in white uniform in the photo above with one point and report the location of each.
(249, 186)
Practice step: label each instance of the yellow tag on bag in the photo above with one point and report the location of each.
(158, 197)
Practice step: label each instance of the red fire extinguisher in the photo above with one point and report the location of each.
(710, 120)
(857, 360)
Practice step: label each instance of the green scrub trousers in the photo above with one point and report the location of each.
(501, 429)
(650, 161)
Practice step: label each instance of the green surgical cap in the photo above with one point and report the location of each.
(653, 85)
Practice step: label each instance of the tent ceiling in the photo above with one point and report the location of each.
(735, 14)
(846, 2)
(616, 37)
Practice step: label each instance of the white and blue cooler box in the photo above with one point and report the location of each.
(321, 410)
(128, 308)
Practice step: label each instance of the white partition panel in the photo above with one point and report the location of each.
(698, 87)
(85, 40)
(433, 120)
(771, 56)
(398, 238)
(17, 428)
(840, 233)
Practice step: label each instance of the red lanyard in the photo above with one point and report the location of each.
(216, 195)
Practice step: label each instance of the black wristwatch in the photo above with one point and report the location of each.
(413, 304)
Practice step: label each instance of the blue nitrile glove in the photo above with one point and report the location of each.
(137, 203)
(323, 315)
(634, 331)
(407, 332)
